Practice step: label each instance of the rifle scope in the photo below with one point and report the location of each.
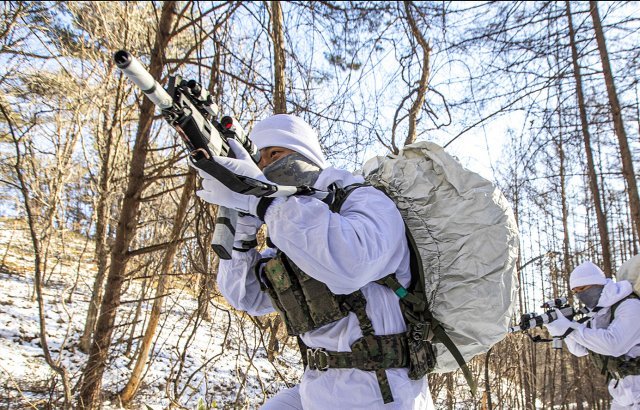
(141, 77)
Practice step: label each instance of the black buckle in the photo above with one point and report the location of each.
(420, 331)
(317, 359)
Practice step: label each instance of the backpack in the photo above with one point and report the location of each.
(630, 270)
(464, 241)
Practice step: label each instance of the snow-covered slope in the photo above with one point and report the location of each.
(221, 362)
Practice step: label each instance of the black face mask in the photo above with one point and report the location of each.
(591, 296)
(294, 169)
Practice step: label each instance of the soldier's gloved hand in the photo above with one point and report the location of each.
(214, 192)
(242, 164)
(246, 230)
(560, 326)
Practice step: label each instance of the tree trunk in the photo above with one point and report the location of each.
(487, 382)
(277, 35)
(136, 319)
(577, 391)
(273, 344)
(102, 224)
(414, 112)
(89, 396)
(618, 124)
(567, 266)
(154, 318)
(38, 265)
(591, 170)
(450, 393)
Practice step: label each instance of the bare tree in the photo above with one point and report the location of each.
(277, 36)
(36, 238)
(128, 392)
(421, 91)
(593, 179)
(108, 152)
(90, 390)
(616, 112)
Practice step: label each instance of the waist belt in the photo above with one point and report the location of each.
(369, 353)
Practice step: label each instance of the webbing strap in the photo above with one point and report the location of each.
(391, 282)
(438, 331)
(385, 388)
(369, 353)
(442, 336)
(618, 303)
(356, 303)
(340, 194)
(237, 183)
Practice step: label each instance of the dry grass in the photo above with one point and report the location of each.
(67, 251)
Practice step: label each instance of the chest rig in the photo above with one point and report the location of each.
(306, 304)
(615, 367)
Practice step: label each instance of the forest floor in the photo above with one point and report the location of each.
(220, 362)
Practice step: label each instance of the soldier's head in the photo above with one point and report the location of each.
(587, 281)
(290, 153)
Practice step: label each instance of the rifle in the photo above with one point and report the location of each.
(191, 111)
(532, 320)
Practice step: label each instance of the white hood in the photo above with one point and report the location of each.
(614, 292)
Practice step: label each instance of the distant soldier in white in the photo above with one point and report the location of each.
(611, 337)
(321, 273)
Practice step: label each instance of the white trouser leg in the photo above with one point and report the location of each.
(285, 399)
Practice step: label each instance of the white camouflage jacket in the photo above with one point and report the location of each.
(346, 251)
(613, 338)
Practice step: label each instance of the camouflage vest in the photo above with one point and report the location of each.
(306, 304)
(303, 303)
(616, 367)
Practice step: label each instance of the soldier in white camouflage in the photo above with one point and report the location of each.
(611, 335)
(324, 275)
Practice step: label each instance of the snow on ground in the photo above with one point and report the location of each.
(221, 362)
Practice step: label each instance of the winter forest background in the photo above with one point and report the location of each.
(98, 211)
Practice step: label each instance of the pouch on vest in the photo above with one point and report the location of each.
(422, 357)
(621, 366)
(304, 303)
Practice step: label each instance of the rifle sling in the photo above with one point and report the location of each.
(237, 183)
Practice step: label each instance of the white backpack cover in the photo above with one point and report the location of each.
(467, 239)
(630, 270)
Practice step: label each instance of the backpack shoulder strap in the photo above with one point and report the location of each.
(615, 305)
(340, 195)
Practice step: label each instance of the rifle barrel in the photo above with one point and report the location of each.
(132, 68)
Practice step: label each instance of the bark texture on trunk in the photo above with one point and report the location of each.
(90, 391)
